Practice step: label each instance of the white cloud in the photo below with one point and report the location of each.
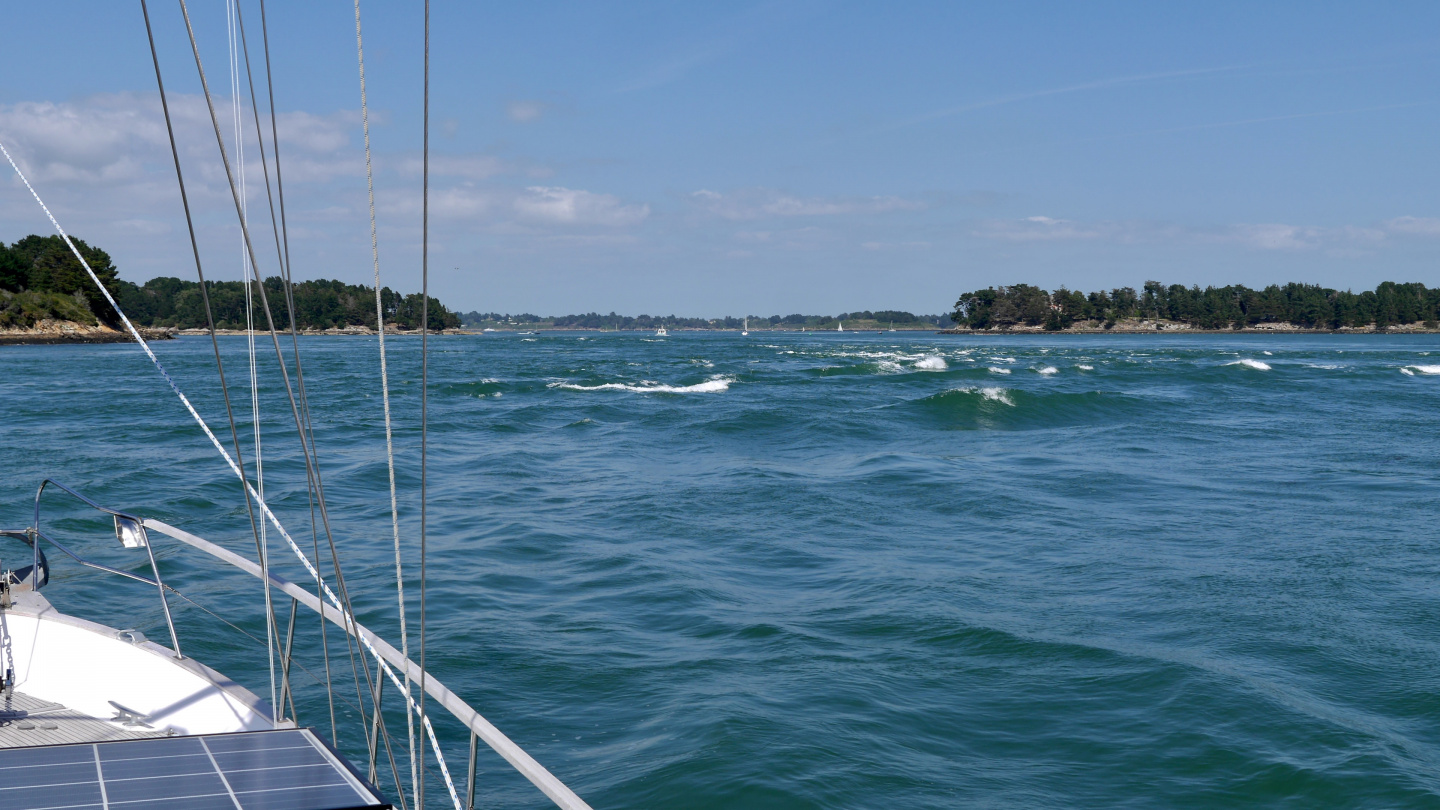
(147, 227)
(1274, 236)
(102, 140)
(523, 112)
(1419, 226)
(468, 167)
(1266, 236)
(763, 202)
(874, 245)
(566, 206)
(1046, 229)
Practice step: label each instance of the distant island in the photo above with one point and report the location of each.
(46, 294)
(1157, 307)
(44, 290)
(856, 321)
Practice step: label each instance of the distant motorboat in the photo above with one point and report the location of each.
(487, 329)
(524, 333)
(661, 332)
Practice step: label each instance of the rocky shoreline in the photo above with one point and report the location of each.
(1149, 326)
(49, 332)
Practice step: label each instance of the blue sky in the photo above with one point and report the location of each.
(733, 158)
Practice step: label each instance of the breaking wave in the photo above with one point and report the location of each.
(714, 385)
(932, 363)
(1248, 363)
(998, 370)
(1048, 370)
(1423, 369)
(1084, 367)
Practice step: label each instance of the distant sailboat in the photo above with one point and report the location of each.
(746, 330)
(892, 326)
(840, 326)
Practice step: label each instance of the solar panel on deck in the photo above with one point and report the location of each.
(254, 770)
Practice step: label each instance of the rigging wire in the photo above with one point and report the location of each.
(265, 304)
(385, 396)
(424, 368)
(255, 527)
(347, 613)
(304, 425)
(249, 271)
(346, 617)
(284, 262)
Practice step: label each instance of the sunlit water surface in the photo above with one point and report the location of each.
(884, 570)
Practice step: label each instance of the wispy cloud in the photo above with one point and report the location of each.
(568, 206)
(1100, 84)
(735, 33)
(1262, 236)
(756, 203)
(523, 112)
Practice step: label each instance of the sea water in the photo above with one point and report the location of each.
(847, 571)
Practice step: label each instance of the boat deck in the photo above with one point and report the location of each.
(27, 721)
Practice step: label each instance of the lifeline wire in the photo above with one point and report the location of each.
(385, 394)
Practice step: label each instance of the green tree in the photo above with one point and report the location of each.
(50, 266)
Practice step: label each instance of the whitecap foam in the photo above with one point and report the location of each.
(1248, 363)
(932, 363)
(1325, 366)
(1265, 353)
(889, 367)
(997, 395)
(1084, 367)
(527, 340)
(989, 394)
(1407, 372)
(998, 370)
(1048, 370)
(714, 385)
(1425, 369)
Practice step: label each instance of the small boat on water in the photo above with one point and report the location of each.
(840, 327)
(746, 330)
(661, 332)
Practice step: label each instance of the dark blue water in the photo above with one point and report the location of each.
(827, 570)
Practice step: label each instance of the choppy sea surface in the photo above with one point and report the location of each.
(843, 571)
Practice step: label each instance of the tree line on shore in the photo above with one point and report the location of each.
(40, 278)
(594, 320)
(1230, 307)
